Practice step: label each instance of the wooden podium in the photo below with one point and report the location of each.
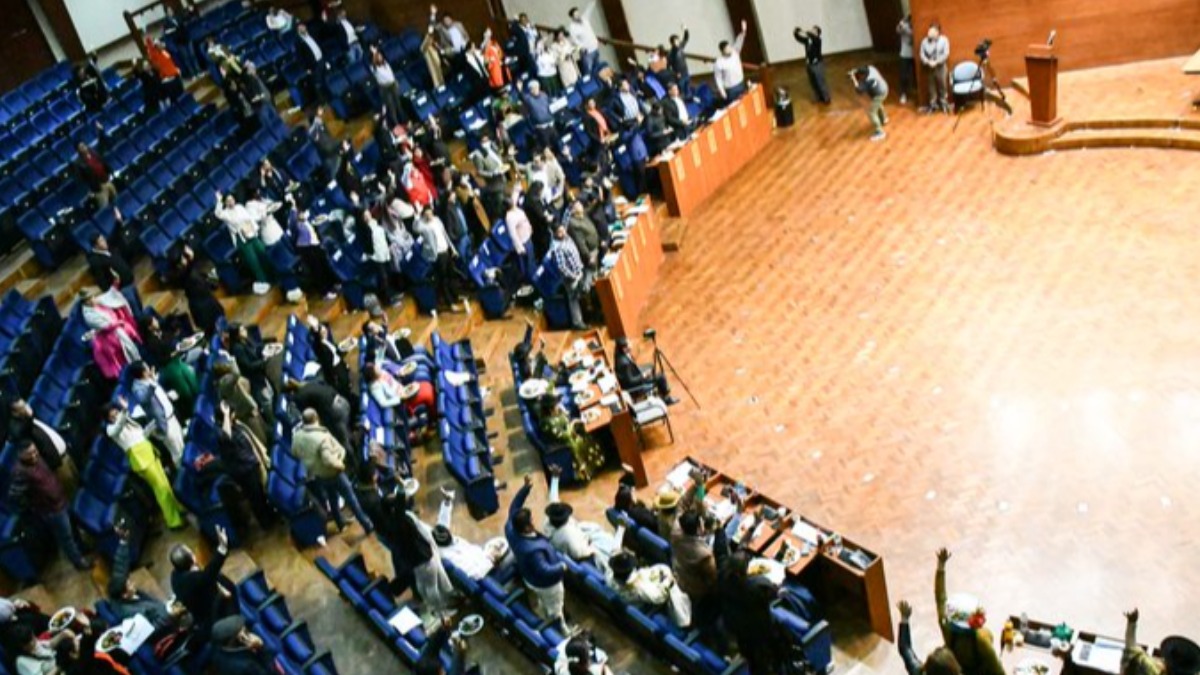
(1041, 67)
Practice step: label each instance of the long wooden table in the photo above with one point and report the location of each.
(618, 418)
(715, 153)
(624, 289)
(1087, 654)
(828, 561)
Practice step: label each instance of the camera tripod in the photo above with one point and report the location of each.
(662, 364)
(984, 63)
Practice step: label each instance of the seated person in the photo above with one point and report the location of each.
(627, 504)
(581, 541)
(80, 656)
(633, 379)
(557, 426)
(14, 614)
(237, 651)
(429, 661)
(387, 391)
(468, 557)
(35, 656)
(579, 657)
(652, 585)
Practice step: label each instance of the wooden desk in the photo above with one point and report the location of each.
(620, 422)
(624, 289)
(868, 587)
(1091, 659)
(715, 153)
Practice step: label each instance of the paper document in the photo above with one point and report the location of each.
(404, 621)
(680, 476)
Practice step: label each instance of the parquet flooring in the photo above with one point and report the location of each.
(918, 342)
(923, 343)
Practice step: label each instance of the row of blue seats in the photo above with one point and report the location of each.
(24, 325)
(140, 157)
(61, 117)
(370, 596)
(463, 426)
(28, 95)
(267, 615)
(814, 637)
(502, 597)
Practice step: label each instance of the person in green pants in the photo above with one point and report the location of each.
(131, 437)
(244, 229)
(177, 376)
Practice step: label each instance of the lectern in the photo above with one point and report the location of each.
(1041, 67)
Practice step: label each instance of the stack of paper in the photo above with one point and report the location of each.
(404, 621)
(680, 476)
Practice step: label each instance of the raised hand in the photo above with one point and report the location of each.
(528, 479)
(905, 610)
(943, 555)
(1132, 615)
(222, 538)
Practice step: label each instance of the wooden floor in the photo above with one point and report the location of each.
(919, 342)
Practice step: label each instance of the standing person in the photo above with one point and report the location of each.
(389, 89)
(935, 53)
(246, 462)
(377, 253)
(244, 230)
(95, 173)
(492, 168)
(493, 58)
(584, 37)
(108, 268)
(576, 278)
(962, 619)
(869, 83)
(324, 462)
(727, 71)
(566, 54)
(695, 566)
(407, 537)
(537, 560)
(436, 249)
(349, 34)
(204, 591)
(40, 494)
(1177, 655)
(452, 38)
(908, 68)
(113, 331)
(24, 426)
(677, 59)
(547, 69)
(811, 39)
(940, 661)
(235, 391)
(746, 603)
(130, 437)
(537, 111)
(151, 396)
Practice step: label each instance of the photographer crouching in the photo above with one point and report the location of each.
(868, 82)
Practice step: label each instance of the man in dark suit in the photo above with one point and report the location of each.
(108, 267)
(24, 426)
(313, 59)
(676, 59)
(205, 593)
(675, 110)
(632, 378)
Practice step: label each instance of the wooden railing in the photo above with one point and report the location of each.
(625, 49)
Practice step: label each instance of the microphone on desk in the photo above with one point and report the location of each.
(1050, 40)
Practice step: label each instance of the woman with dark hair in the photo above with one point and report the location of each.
(940, 661)
(411, 544)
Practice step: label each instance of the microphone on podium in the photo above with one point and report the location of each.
(1050, 40)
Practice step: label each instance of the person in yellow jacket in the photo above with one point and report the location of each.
(961, 618)
(131, 437)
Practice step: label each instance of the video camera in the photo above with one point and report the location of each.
(982, 49)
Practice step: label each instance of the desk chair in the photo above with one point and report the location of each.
(648, 410)
(966, 83)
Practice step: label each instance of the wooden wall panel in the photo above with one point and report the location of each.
(23, 48)
(1091, 33)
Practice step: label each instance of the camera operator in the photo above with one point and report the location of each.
(935, 53)
(868, 82)
(811, 39)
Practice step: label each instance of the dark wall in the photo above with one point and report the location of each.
(23, 48)
(395, 15)
(1091, 33)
